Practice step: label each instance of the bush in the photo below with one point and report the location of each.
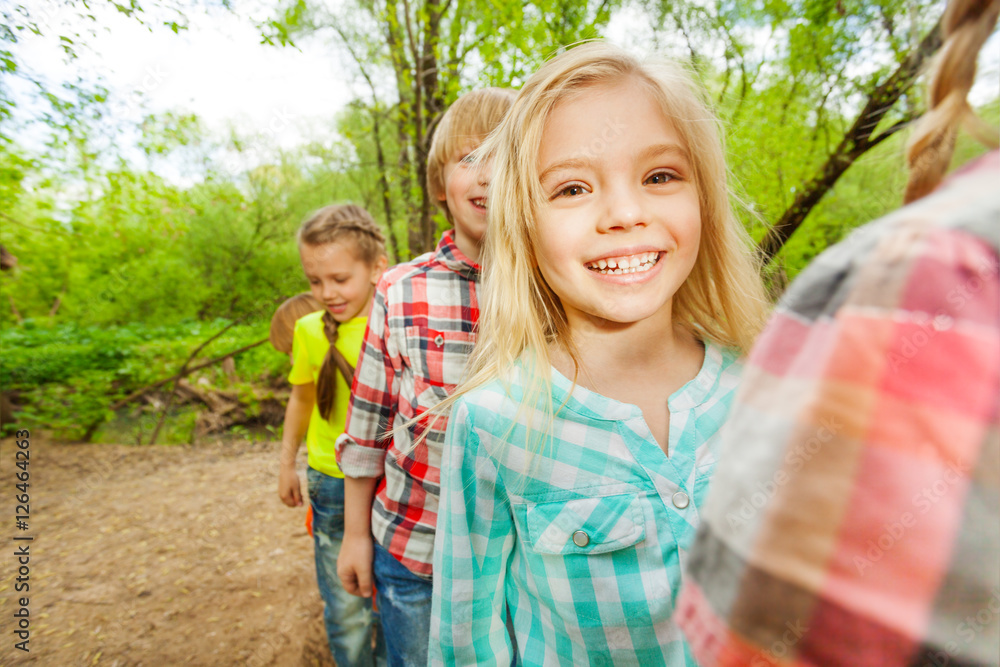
(66, 377)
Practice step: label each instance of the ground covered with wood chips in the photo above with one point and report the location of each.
(163, 555)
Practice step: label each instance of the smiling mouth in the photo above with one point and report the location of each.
(479, 202)
(618, 266)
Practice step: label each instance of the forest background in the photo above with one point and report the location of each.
(143, 260)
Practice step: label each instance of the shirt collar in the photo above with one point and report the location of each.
(447, 253)
(584, 401)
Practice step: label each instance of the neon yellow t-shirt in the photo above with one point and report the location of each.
(309, 348)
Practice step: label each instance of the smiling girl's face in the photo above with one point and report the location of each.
(619, 226)
(339, 279)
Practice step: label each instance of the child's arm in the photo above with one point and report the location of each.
(475, 537)
(374, 400)
(361, 449)
(297, 416)
(354, 565)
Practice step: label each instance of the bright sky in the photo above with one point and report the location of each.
(219, 70)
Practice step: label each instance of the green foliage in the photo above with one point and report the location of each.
(66, 377)
(131, 247)
(872, 188)
(121, 272)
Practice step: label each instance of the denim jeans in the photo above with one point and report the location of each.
(404, 603)
(348, 619)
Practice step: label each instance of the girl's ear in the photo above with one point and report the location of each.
(381, 264)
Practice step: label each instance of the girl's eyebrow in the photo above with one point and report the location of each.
(648, 153)
(571, 163)
(661, 150)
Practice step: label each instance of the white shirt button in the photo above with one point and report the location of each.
(439, 340)
(581, 539)
(680, 500)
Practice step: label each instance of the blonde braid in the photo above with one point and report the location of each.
(967, 25)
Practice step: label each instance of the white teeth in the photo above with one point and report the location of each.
(621, 265)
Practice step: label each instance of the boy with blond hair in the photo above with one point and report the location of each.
(421, 330)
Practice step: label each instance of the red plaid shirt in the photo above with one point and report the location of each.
(421, 330)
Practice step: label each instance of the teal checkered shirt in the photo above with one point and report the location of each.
(584, 537)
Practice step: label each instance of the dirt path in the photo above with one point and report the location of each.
(159, 556)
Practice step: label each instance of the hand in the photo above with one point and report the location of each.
(354, 565)
(288, 487)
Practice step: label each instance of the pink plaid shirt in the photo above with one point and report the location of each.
(421, 330)
(854, 518)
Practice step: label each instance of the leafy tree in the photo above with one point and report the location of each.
(807, 87)
(416, 57)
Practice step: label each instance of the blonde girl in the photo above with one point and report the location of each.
(343, 256)
(619, 291)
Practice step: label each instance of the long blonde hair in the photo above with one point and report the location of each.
(722, 300)
(966, 26)
(467, 121)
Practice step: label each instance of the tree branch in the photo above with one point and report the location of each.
(184, 372)
(855, 143)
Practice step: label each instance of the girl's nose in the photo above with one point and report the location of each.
(624, 209)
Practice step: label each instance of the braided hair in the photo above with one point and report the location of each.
(967, 25)
(339, 223)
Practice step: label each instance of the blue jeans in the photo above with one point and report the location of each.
(348, 619)
(404, 603)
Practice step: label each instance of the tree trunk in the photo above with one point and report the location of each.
(430, 98)
(856, 142)
(404, 118)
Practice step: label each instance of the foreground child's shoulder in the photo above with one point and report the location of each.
(730, 361)
(722, 369)
(494, 403)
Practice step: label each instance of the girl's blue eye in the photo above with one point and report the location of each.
(468, 159)
(660, 177)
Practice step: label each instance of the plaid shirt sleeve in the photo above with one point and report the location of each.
(361, 449)
(474, 542)
(854, 519)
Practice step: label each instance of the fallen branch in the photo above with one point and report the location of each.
(139, 393)
(184, 371)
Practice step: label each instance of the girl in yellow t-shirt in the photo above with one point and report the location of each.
(343, 256)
